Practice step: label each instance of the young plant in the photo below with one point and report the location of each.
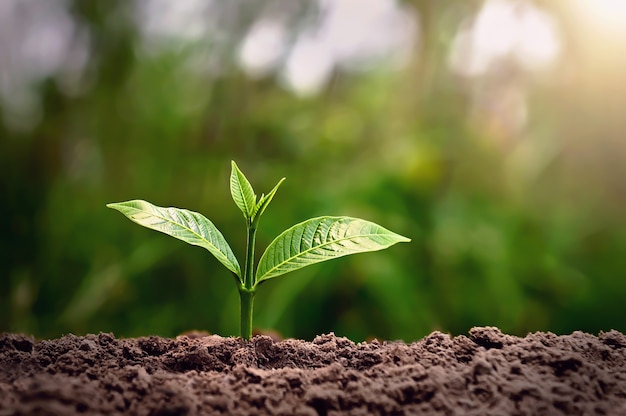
(309, 242)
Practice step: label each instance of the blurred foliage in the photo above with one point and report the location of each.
(519, 226)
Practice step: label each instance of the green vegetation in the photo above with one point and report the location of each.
(312, 241)
(508, 179)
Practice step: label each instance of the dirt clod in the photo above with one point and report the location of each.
(487, 373)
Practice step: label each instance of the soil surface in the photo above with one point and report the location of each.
(485, 373)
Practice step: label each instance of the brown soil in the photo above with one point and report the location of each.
(487, 373)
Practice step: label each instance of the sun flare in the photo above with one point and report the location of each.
(603, 15)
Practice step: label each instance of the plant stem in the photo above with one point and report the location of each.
(249, 269)
(246, 293)
(246, 300)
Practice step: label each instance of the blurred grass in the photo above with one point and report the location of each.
(523, 230)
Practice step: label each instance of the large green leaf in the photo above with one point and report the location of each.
(321, 239)
(242, 192)
(189, 226)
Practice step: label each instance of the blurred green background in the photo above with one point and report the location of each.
(492, 133)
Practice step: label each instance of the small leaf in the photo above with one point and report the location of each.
(265, 200)
(242, 192)
(189, 226)
(321, 239)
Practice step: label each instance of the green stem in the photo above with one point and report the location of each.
(246, 301)
(246, 292)
(249, 269)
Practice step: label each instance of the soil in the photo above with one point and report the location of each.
(485, 373)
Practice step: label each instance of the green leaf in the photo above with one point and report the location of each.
(189, 226)
(321, 239)
(265, 200)
(242, 192)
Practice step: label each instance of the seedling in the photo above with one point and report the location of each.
(312, 241)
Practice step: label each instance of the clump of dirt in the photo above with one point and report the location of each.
(484, 374)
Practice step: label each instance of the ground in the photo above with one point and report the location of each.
(485, 373)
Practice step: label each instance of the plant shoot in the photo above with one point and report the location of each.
(309, 242)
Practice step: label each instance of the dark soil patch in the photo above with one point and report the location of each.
(487, 373)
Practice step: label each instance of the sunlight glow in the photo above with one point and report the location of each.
(308, 67)
(263, 47)
(353, 35)
(505, 29)
(347, 35)
(604, 15)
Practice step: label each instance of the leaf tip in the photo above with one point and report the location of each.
(402, 239)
